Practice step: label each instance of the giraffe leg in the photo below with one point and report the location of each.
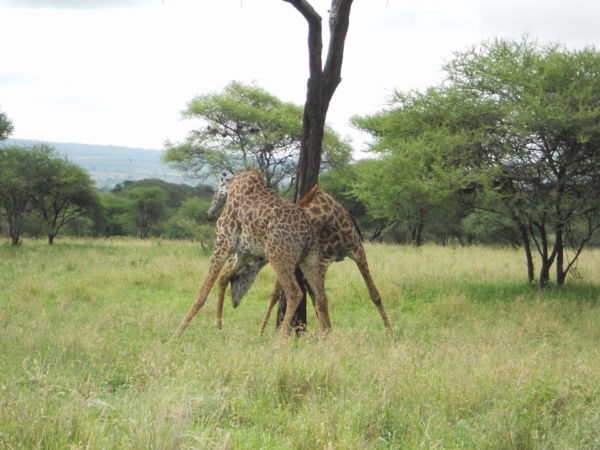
(274, 298)
(221, 293)
(314, 272)
(216, 263)
(286, 278)
(360, 258)
(234, 267)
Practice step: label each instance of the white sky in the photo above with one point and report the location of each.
(121, 71)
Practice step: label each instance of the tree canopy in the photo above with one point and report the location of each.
(245, 125)
(38, 179)
(515, 124)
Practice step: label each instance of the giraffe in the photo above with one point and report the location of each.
(258, 224)
(338, 237)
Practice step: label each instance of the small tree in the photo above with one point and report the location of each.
(61, 192)
(15, 187)
(37, 179)
(114, 216)
(149, 206)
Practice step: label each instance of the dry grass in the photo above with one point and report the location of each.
(481, 360)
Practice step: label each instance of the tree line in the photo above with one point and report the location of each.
(512, 136)
(503, 151)
(42, 194)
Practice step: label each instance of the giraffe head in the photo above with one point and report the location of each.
(219, 195)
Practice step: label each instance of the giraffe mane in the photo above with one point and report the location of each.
(248, 169)
(308, 197)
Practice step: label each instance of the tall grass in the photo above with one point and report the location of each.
(480, 360)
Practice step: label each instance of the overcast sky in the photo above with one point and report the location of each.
(121, 71)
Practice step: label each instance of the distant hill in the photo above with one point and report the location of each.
(109, 165)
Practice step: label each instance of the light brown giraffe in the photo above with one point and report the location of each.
(338, 237)
(258, 224)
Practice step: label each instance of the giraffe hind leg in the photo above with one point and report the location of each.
(275, 296)
(360, 259)
(293, 294)
(314, 272)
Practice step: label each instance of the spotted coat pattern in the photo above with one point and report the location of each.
(338, 237)
(258, 224)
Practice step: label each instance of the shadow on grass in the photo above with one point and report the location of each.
(507, 292)
(579, 292)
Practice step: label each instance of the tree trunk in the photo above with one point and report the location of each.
(527, 247)
(14, 237)
(559, 249)
(543, 250)
(14, 229)
(417, 234)
(51, 238)
(545, 274)
(322, 83)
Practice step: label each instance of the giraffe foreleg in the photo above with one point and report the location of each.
(293, 295)
(315, 277)
(216, 263)
(313, 269)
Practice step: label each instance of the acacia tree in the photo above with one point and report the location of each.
(546, 153)
(15, 186)
(61, 191)
(37, 179)
(519, 126)
(245, 125)
(425, 143)
(322, 82)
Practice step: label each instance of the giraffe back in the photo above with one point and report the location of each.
(262, 224)
(336, 230)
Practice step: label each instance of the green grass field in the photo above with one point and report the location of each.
(480, 360)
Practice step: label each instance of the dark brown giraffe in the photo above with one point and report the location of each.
(337, 235)
(258, 224)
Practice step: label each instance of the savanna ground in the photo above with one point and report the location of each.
(480, 360)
